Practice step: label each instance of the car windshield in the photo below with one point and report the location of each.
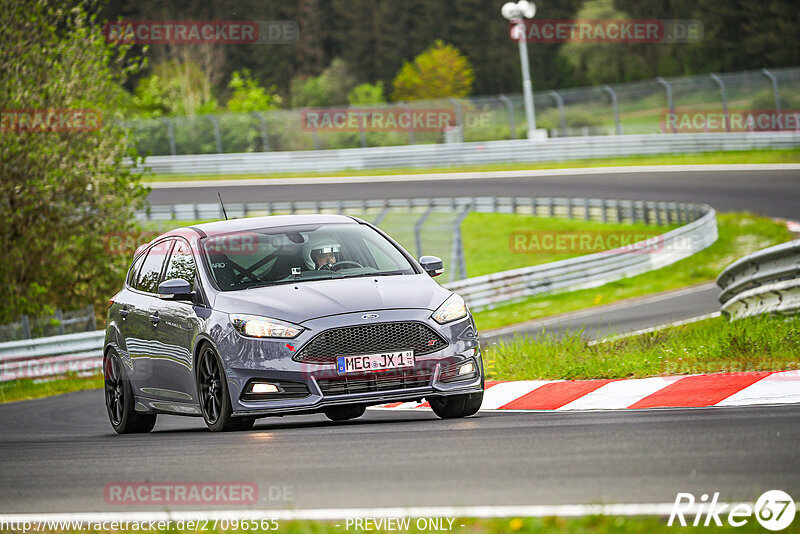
(271, 256)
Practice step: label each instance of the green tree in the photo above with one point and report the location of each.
(438, 72)
(330, 88)
(249, 96)
(174, 88)
(603, 62)
(367, 93)
(63, 190)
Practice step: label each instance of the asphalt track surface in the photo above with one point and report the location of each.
(58, 454)
(774, 193)
(768, 192)
(620, 317)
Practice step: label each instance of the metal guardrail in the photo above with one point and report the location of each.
(699, 231)
(60, 323)
(591, 270)
(416, 213)
(443, 155)
(767, 281)
(51, 356)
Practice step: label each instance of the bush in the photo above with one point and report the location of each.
(441, 71)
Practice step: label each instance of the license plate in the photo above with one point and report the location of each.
(375, 362)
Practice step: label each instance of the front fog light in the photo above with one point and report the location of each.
(259, 388)
(466, 369)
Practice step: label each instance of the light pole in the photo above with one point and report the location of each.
(514, 13)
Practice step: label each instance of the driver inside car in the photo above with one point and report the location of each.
(323, 254)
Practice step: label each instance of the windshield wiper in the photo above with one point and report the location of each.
(384, 273)
(292, 281)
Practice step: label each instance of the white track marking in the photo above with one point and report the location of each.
(777, 388)
(334, 514)
(621, 393)
(505, 392)
(443, 176)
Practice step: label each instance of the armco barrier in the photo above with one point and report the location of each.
(443, 155)
(590, 270)
(699, 231)
(767, 281)
(51, 356)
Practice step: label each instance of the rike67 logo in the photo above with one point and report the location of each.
(774, 510)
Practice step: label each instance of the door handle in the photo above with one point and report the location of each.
(154, 318)
(124, 311)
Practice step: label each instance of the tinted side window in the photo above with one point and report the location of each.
(147, 280)
(181, 263)
(134, 271)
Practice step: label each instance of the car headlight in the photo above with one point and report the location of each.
(254, 326)
(453, 308)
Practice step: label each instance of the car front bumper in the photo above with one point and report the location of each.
(271, 361)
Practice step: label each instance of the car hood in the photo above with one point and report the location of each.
(303, 301)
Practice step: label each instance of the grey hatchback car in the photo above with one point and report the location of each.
(296, 314)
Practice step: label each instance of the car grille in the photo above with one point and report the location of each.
(370, 338)
(413, 378)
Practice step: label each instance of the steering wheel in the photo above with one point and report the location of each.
(345, 263)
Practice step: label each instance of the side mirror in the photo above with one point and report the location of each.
(175, 289)
(432, 265)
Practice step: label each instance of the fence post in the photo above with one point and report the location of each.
(171, 135)
(264, 137)
(774, 81)
(411, 140)
(561, 116)
(60, 318)
(459, 118)
(217, 136)
(90, 324)
(381, 216)
(314, 135)
(724, 99)
(510, 111)
(670, 102)
(418, 230)
(26, 327)
(613, 95)
(458, 260)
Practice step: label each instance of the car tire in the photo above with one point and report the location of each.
(120, 401)
(212, 392)
(343, 413)
(454, 406)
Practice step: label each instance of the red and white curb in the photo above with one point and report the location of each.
(687, 391)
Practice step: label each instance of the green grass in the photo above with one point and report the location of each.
(545, 525)
(16, 390)
(739, 235)
(489, 239)
(745, 156)
(715, 345)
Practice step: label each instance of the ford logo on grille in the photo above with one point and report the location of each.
(370, 316)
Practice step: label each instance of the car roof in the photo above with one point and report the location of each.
(271, 221)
